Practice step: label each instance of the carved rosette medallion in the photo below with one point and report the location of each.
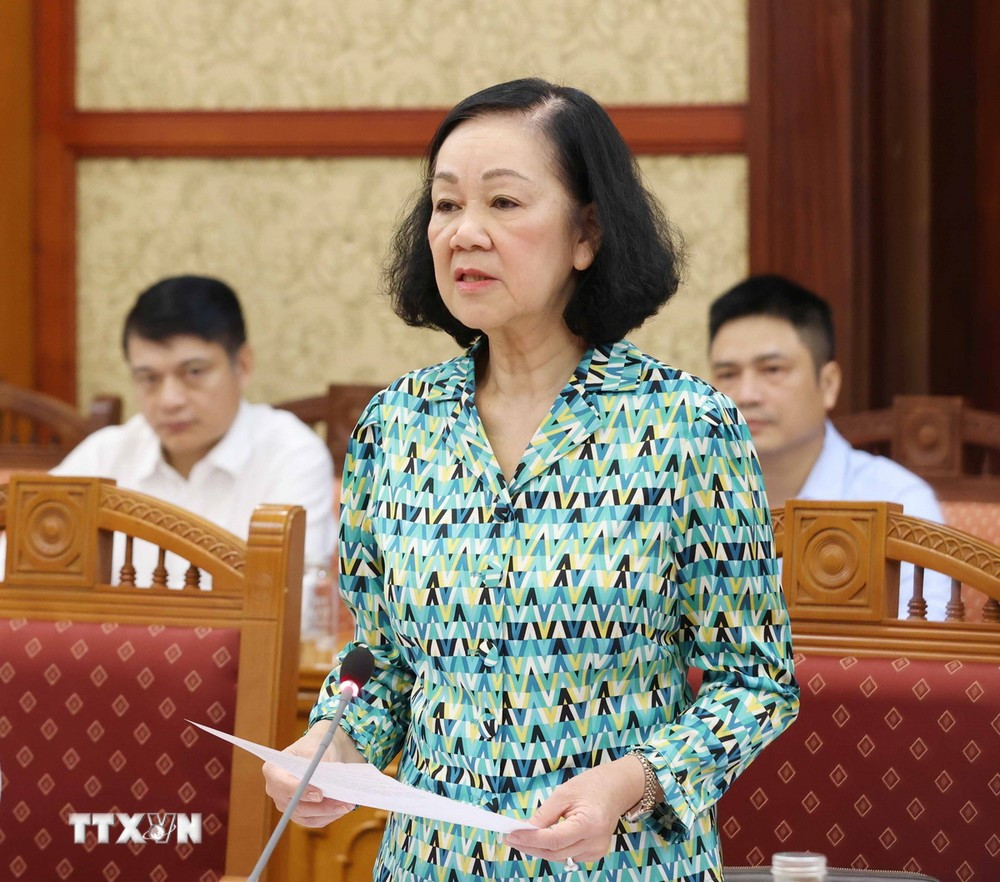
(830, 570)
(53, 521)
(929, 436)
(833, 565)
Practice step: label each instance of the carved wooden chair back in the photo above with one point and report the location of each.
(939, 437)
(334, 415)
(841, 562)
(37, 430)
(99, 680)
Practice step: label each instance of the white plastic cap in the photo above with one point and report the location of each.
(798, 860)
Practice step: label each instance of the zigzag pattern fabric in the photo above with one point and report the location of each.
(526, 631)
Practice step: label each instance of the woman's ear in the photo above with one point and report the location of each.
(590, 239)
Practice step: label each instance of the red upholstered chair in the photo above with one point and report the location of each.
(37, 430)
(892, 762)
(98, 681)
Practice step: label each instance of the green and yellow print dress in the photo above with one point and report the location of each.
(524, 632)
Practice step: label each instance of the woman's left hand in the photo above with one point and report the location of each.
(580, 817)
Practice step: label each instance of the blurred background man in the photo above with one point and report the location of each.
(771, 349)
(197, 442)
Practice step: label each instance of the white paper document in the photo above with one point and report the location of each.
(363, 784)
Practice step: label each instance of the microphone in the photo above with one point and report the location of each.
(354, 673)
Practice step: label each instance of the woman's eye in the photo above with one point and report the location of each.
(504, 202)
(444, 205)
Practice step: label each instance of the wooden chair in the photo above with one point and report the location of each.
(37, 430)
(334, 415)
(952, 446)
(891, 762)
(98, 681)
(842, 562)
(939, 437)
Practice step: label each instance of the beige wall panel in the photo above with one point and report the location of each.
(706, 198)
(302, 242)
(231, 54)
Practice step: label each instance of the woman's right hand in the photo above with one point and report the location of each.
(313, 810)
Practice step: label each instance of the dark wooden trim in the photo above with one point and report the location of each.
(55, 201)
(986, 312)
(759, 130)
(710, 129)
(17, 359)
(808, 121)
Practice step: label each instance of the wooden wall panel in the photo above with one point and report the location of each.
(925, 210)
(16, 312)
(986, 312)
(874, 180)
(64, 134)
(55, 202)
(865, 138)
(807, 135)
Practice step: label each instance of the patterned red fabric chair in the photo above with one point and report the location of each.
(892, 762)
(103, 778)
(891, 765)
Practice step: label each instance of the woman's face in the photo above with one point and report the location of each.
(505, 235)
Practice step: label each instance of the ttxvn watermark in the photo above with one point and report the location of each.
(158, 827)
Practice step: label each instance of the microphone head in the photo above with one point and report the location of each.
(357, 666)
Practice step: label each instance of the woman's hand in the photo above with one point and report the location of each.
(313, 810)
(580, 817)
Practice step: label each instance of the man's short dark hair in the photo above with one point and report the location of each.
(637, 265)
(198, 306)
(776, 296)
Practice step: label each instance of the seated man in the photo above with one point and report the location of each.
(771, 349)
(197, 442)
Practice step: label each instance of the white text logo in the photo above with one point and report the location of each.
(156, 827)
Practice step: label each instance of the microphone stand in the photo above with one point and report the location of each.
(348, 692)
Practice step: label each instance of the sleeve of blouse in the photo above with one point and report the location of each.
(735, 626)
(378, 718)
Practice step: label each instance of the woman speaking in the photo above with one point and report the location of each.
(543, 535)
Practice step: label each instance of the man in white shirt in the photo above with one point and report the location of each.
(771, 348)
(197, 442)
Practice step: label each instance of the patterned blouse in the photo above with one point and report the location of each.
(526, 631)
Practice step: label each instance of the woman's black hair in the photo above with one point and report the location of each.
(638, 262)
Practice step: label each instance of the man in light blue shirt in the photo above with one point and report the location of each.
(772, 351)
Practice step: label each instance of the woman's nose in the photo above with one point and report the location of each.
(470, 232)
